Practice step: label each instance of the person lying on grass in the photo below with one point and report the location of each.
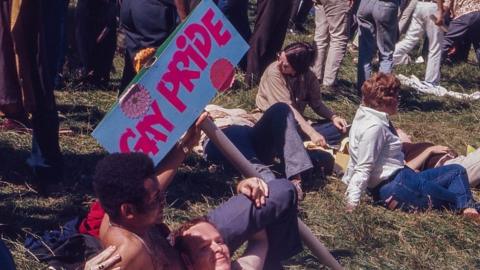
(273, 137)
(202, 247)
(423, 156)
(377, 163)
(132, 194)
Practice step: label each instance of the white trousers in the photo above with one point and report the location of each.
(421, 24)
(331, 38)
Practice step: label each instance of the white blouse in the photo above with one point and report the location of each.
(375, 153)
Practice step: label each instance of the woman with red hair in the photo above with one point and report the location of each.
(377, 162)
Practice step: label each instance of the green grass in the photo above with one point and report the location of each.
(371, 238)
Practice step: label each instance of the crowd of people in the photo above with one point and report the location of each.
(35, 47)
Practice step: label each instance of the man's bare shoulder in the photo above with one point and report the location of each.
(132, 251)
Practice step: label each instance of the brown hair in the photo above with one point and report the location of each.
(380, 90)
(301, 56)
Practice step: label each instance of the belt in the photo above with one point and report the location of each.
(374, 191)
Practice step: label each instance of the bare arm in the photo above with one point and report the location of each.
(167, 168)
(254, 256)
(418, 161)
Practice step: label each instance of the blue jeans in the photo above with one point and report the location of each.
(439, 188)
(378, 26)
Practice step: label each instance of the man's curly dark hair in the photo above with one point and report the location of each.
(119, 178)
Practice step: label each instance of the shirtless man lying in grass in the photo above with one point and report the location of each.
(132, 195)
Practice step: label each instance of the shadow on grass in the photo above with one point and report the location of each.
(411, 100)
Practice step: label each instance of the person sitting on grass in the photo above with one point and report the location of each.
(423, 156)
(132, 195)
(377, 162)
(290, 80)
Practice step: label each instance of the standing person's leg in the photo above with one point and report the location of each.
(302, 14)
(46, 157)
(366, 41)
(106, 42)
(84, 38)
(414, 33)
(385, 16)
(435, 38)
(238, 219)
(276, 135)
(322, 39)
(268, 36)
(457, 31)
(406, 16)
(10, 95)
(473, 33)
(337, 18)
(294, 11)
(237, 12)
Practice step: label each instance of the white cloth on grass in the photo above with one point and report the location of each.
(428, 88)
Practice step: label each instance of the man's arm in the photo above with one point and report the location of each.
(167, 168)
(254, 256)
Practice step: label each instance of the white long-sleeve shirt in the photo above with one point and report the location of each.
(375, 153)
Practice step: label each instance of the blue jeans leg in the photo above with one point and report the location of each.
(385, 16)
(454, 179)
(444, 187)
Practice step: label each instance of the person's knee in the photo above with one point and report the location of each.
(282, 192)
(280, 108)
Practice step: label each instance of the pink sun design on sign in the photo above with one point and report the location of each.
(222, 74)
(136, 102)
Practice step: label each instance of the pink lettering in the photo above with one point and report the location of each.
(200, 37)
(176, 76)
(145, 127)
(215, 29)
(191, 53)
(124, 148)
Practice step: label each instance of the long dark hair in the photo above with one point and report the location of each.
(301, 56)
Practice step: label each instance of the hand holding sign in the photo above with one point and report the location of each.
(165, 98)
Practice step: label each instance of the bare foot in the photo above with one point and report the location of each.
(471, 213)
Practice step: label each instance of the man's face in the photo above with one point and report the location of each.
(154, 203)
(207, 251)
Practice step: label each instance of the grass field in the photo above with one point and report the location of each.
(370, 238)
